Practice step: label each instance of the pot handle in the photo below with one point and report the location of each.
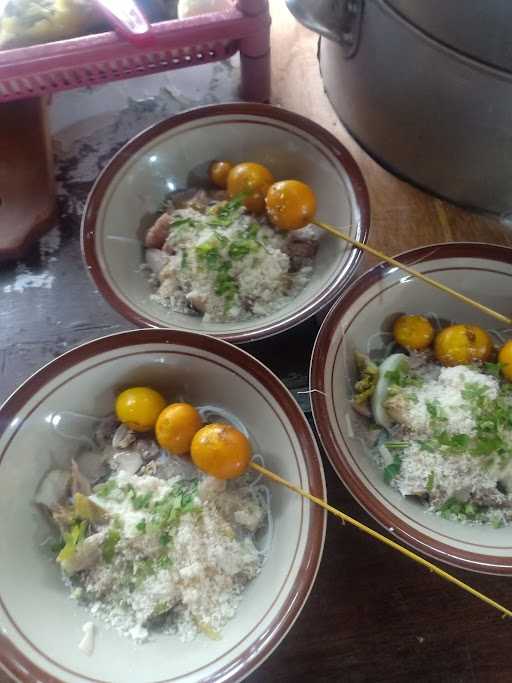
(337, 20)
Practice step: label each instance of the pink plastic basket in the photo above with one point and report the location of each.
(89, 60)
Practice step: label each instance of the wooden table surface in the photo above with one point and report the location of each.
(372, 615)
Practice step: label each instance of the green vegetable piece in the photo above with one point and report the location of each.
(160, 608)
(368, 377)
(140, 501)
(84, 508)
(141, 526)
(108, 546)
(209, 254)
(430, 482)
(473, 392)
(104, 490)
(454, 442)
(252, 231)
(75, 536)
(240, 248)
(493, 369)
(164, 562)
(164, 539)
(435, 411)
(396, 445)
(400, 377)
(393, 470)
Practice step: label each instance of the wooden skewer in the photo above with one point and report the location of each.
(365, 247)
(375, 534)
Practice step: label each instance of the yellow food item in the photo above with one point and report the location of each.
(462, 344)
(176, 426)
(139, 407)
(84, 508)
(218, 173)
(27, 22)
(505, 358)
(413, 332)
(291, 204)
(221, 451)
(252, 179)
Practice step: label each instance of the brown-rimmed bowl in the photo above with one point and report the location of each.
(40, 626)
(362, 320)
(160, 159)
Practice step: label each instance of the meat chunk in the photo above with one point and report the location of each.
(158, 232)
(300, 250)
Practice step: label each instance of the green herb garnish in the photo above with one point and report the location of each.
(392, 470)
(401, 377)
(455, 442)
(393, 445)
(430, 481)
(104, 490)
(141, 501)
(493, 369)
(252, 231)
(108, 546)
(181, 223)
(435, 411)
(209, 254)
(240, 248)
(164, 539)
(225, 285)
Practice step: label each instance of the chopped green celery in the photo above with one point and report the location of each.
(493, 369)
(241, 247)
(393, 470)
(140, 501)
(163, 562)
(430, 482)
(108, 546)
(401, 377)
(141, 526)
(180, 222)
(225, 285)
(104, 490)
(253, 230)
(469, 511)
(232, 208)
(208, 253)
(164, 539)
(473, 391)
(144, 569)
(167, 510)
(435, 411)
(496, 522)
(396, 445)
(454, 442)
(75, 536)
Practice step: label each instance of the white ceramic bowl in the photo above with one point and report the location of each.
(362, 320)
(40, 626)
(160, 159)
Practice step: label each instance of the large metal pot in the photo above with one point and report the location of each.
(425, 86)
